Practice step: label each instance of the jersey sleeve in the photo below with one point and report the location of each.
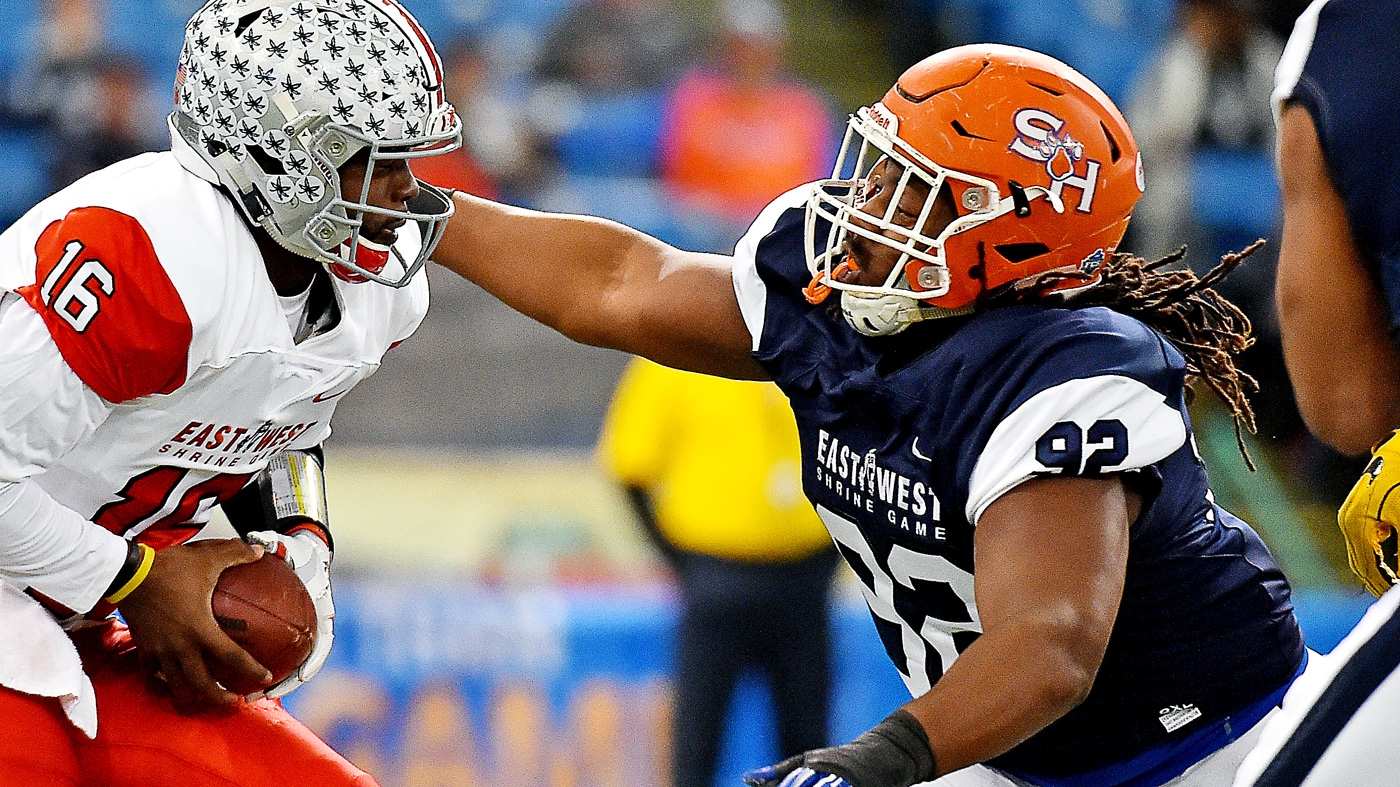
(109, 305)
(1092, 405)
(750, 286)
(45, 409)
(1295, 57)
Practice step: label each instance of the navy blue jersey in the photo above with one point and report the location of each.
(906, 440)
(1341, 64)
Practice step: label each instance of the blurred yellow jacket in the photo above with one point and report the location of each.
(720, 459)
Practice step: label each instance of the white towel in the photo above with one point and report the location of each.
(37, 657)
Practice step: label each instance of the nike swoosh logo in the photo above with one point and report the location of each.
(323, 397)
(915, 449)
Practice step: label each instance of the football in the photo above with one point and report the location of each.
(264, 608)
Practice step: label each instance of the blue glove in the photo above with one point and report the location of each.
(895, 753)
(798, 775)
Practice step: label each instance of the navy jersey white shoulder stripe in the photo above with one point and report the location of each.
(906, 441)
(750, 289)
(1340, 66)
(1107, 423)
(1295, 56)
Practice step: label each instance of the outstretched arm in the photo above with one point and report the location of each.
(601, 283)
(1340, 356)
(1046, 616)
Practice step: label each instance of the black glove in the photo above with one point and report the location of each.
(893, 754)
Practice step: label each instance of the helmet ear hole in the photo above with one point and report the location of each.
(1020, 252)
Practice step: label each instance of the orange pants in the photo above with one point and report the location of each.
(142, 741)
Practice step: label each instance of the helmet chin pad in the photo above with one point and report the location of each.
(879, 315)
(369, 256)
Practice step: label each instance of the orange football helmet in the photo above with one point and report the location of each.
(1041, 165)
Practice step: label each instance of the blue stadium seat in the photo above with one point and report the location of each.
(1106, 40)
(1035, 24)
(617, 136)
(442, 20)
(24, 171)
(151, 31)
(1112, 47)
(538, 15)
(1235, 194)
(640, 203)
(21, 32)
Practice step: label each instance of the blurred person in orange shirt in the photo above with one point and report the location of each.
(465, 74)
(711, 469)
(741, 130)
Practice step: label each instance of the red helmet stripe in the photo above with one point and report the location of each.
(423, 39)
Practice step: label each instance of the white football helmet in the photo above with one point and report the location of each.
(276, 95)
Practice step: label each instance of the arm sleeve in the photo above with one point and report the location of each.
(109, 305)
(44, 411)
(1088, 427)
(1295, 57)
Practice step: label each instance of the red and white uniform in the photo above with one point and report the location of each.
(147, 370)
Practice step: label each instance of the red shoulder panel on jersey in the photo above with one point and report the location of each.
(109, 304)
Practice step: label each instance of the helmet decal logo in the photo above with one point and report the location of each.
(884, 118)
(1043, 137)
(1093, 262)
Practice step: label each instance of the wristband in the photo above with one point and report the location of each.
(145, 556)
(128, 568)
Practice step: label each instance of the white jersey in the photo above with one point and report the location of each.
(147, 371)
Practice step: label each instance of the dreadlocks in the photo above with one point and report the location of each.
(1209, 331)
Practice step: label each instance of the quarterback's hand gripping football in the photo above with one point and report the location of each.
(173, 626)
(895, 753)
(1370, 516)
(310, 558)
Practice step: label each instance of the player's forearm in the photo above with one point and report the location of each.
(1339, 404)
(51, 548)
(565, 271)
(1343, 366)
(1007, 686)
(1341, 359)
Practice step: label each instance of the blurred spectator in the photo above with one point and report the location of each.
(93, 105)
(617, 46)
(465, 81)
(1203, 120)
(1208, 90)
(597, 105)
(711, 467)
(741, 130)
(119, 129)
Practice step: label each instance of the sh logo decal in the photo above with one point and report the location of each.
(1040, 136)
